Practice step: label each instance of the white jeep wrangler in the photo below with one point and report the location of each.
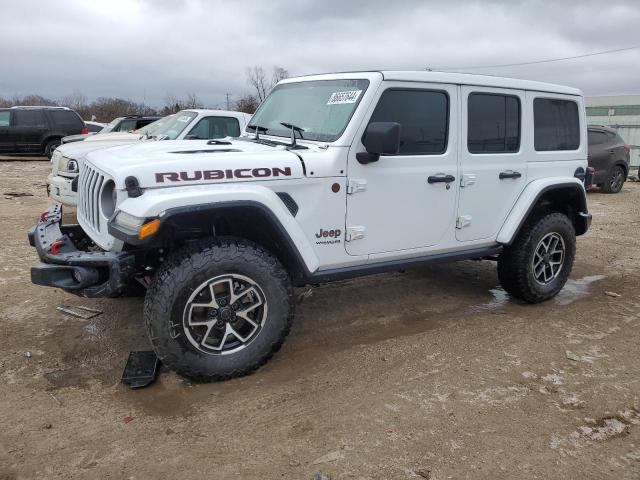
(337, 176)
(193, 124)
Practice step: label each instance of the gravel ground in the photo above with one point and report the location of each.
(430, 373)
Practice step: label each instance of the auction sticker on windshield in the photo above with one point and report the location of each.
(184, 118)
(349, 96)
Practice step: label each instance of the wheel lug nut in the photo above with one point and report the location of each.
(235, 306)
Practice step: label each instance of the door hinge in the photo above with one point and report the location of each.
(354, 186)
(463, 221)
(467, 179)
(354, 233)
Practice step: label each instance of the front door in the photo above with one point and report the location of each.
(493, 164)
(406, 201)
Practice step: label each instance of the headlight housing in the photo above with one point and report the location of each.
(68, 165)
(128, 221)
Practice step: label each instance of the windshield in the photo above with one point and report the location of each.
(173, 125)
(111, 125)
(150, 128)
(322, 108)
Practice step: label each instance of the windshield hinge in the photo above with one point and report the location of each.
(354, 233)
(463, 221)
(355, 186)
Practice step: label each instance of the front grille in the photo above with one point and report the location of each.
(89, 187)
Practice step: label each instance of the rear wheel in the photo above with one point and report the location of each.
(537, 264)
(614, 181)
(219, 309)
(51, 146)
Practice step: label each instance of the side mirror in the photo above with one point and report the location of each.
(380, 138)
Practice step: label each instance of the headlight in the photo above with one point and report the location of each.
(68, 165)
(128, 221)
(56, 156)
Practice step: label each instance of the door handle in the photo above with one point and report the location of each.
(509, 174)
(441, 178)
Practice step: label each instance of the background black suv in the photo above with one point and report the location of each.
(37, 129)
(609, 156)
(119, 124)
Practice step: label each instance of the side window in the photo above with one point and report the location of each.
(596, 137)
(66, 118)
(493, 123)
(423, 116)
(5, 118)
(126, 125)
(556, 124)
(215, 127)
(29, 118)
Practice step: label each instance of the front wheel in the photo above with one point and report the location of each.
(537, 264)
(219, 309)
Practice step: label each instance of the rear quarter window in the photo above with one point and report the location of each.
(556, 124)
(66, 119)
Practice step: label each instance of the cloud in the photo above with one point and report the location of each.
(148, 48)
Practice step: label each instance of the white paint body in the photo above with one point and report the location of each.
(59, 180)
(393, 209)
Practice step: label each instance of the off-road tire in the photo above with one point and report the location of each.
(615, 180)
(51, 146)
(515, 269)
(188, 268)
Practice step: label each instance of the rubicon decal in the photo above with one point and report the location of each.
(264, 172)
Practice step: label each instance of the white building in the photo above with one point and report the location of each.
(621, 112)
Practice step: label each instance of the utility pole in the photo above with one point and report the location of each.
(227, 95)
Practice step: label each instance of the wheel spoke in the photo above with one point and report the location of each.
(246, 318)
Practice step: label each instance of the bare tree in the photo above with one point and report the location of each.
(258, 80)
(35, 100)
(77, 101)
(279, 73)
(247, 104)
(192, 101)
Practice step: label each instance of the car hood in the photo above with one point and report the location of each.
(75, 138)
(194, 162)
(111, 136)
(77, 150)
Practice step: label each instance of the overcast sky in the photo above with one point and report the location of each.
(138, 48)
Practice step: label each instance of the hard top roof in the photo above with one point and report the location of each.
(450, 78)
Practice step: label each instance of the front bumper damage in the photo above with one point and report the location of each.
(63, 265)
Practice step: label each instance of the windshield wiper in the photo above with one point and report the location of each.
(294, 129)
(258, 129)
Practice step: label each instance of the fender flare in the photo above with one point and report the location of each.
(529, 198)
(170, 204)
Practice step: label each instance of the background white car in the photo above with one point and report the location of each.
(196, 124)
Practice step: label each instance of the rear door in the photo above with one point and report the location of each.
(7, 143)
(600, 153)
(492, 160)
(29, 129)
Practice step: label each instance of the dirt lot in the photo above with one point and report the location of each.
(431, 373)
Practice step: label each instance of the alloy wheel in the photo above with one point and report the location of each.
(225, 314)
(548, 258)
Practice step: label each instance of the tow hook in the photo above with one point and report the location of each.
(54, 249)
